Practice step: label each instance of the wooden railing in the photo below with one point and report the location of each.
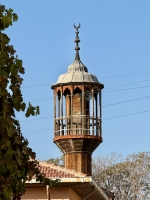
(77, 125)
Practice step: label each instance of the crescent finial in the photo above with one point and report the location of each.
(77, 27)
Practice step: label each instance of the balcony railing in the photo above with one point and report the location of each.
(77, 125)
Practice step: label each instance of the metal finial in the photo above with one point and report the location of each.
(77, 27)
(77, 40)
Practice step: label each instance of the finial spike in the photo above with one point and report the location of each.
(77, 40)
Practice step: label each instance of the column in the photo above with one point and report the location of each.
(92, 111)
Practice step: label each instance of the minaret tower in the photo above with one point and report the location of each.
(78, 114)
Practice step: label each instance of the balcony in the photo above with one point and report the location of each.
(77, 125)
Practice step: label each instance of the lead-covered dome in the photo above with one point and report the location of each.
(77, 71)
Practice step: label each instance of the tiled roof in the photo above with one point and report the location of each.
(53, 171)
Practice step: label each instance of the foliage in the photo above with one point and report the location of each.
(57, 161)
(17, 160)
(128, 179)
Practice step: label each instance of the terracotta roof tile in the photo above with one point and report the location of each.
(54, 171)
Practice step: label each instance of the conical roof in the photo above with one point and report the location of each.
(77, 71)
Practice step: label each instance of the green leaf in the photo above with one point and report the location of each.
(27, 113)
(37, 110)
(19, 63)
(23, 105)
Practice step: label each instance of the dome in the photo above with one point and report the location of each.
(77, 71)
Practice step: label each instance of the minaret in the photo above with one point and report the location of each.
(78, 114)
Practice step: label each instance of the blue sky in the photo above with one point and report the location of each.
(115, 46)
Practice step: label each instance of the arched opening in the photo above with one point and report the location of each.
(59, 93)
(67, 92)
(58, 103)
(77, 111)
(67, 95)
(77, 91)
(58, 113)
(88, 97)
(77, 94)
(97, 110)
